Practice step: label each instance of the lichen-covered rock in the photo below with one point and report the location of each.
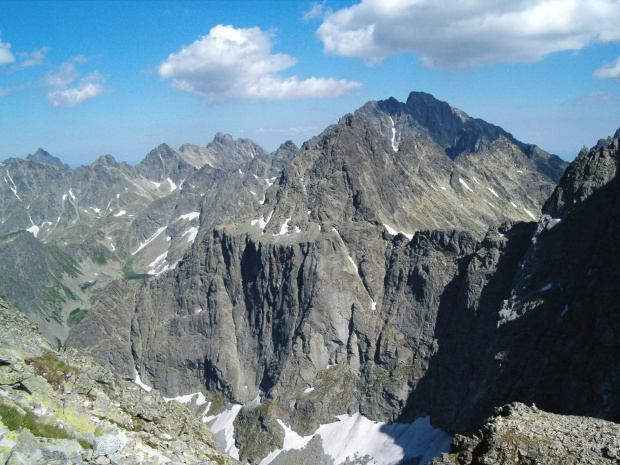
(521, 435)
(66, 409)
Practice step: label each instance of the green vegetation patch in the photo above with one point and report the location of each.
(54, 370)
(99, 257)
(67, 264)
(76, 316)
(14, 421)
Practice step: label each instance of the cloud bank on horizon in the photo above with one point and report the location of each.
(468, 35)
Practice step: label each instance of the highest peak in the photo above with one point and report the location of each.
(417, 97)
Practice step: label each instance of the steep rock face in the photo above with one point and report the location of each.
(553, 339)
(351, 278)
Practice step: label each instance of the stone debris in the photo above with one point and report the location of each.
(520, 435)
(64, 409)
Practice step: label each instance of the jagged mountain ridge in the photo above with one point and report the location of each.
(101, 222)
(423, 116)
(314, 292)
(45, 157)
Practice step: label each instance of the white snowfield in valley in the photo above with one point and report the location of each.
(356, 436)
(347, 438)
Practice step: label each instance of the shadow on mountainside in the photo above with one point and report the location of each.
(562, 350)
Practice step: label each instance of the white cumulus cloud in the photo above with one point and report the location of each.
(609, 70)
(5, 53)
(66, 87)
(465, 35)
(232, 64)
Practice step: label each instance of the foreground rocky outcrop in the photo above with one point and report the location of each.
(517, 434)
(61, 409)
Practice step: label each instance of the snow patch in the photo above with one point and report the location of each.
(34, 229)
(373, 305)
(514, 205)
(546, 288)
(173, 186)
(157, 262)
(390, 230)
(149, 240)
(354, 265)
(465, 185)
(156, 184)
(186, 399)
(14, 188)
(120, 213)
(139, 382)
(224, 422)
(284, 228)
(262, 222)
(191, 234)
(308, 390)
(254, 402)
(475, 180)
(394, 145)
(493, 192)
(71, 194)
(530, 213)
(565, 310)
(355, 436)
(190, 216)
(96, 210)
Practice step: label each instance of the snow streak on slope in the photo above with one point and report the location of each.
(151, 239)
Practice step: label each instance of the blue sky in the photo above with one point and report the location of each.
(83, 78)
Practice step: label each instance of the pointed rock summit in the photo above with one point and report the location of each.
(425, 117)
(42, 156)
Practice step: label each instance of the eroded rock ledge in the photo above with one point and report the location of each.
(518, 434)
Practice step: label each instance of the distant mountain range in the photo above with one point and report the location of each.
(409, 261)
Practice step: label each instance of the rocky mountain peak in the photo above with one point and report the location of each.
(588, 173)
(221, 138)
(425, 117)
(42, 156)
(105, 160)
